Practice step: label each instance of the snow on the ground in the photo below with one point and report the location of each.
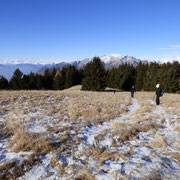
(145, 159)
(151, 162)
(89, 133)
(42, 171)
(7, 156)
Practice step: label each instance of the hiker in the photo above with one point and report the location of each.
(159, 93)
(132, 91)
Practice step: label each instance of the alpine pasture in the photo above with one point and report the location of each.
(74, 134)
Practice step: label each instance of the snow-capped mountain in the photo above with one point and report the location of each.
(109, 61)
(77, 64)
(7, 68)
(115, 60)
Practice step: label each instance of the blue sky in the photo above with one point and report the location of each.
(45, 30)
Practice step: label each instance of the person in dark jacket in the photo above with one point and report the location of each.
(158, 94)
(132, 91)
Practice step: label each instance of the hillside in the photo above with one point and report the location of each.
(73, 134)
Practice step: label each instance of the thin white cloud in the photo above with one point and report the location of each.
(174, 46)
(166, 48)
(171, 47)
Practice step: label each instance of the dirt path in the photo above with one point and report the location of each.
(90, 132)
(151, 149)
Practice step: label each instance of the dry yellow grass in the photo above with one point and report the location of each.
(14, 122)
(2, 131)
(174, 155)
(25, 141)
(84, 174)
(13, 170)
(70, 110)
(79, 105)
(158, 142)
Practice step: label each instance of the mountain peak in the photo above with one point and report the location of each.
(111, 57)
(7, 68)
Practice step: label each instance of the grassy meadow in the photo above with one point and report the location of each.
(74, 134)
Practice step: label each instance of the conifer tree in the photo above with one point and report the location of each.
(47, 79)
(80, 76)
(140, 76)
(94, 76)
(128, 78)
(32, 81)
(72, 77)
(151, 77)
(174, 78)
(118, 77)
(25, 82)
(39, 83)
(68, 80)
(3, 83)
(58, 81)
(111, 78)
(164, 76)
(16, 80)
(54, 73)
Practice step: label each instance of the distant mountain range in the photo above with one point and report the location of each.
(108, 61)
(7, 69)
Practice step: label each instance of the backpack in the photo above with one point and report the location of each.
(162, 91)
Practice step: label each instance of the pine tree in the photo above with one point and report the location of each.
(118, 77)
(39, 83)
(68, 80)
(53, 73)
(16, 80)
(140, 76)
(47, 79)
(58, 81)
(72, 77)
(80, 76)
(25, 82)
(94, 76)
(128, 78)
(32, 81)
(174, 78)
(111, 78)
(151, 77)
(3, 83)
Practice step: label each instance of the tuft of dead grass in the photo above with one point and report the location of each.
(85, 174)
(2, 131)
(154, 175)
(174, 155)
(128, 134)
(118, 125)
(25, 141)
(13, 170)
(158, 142)
(13, 123)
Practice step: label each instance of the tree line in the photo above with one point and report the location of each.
(145, 77)
(50, 80)
(95, 77)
